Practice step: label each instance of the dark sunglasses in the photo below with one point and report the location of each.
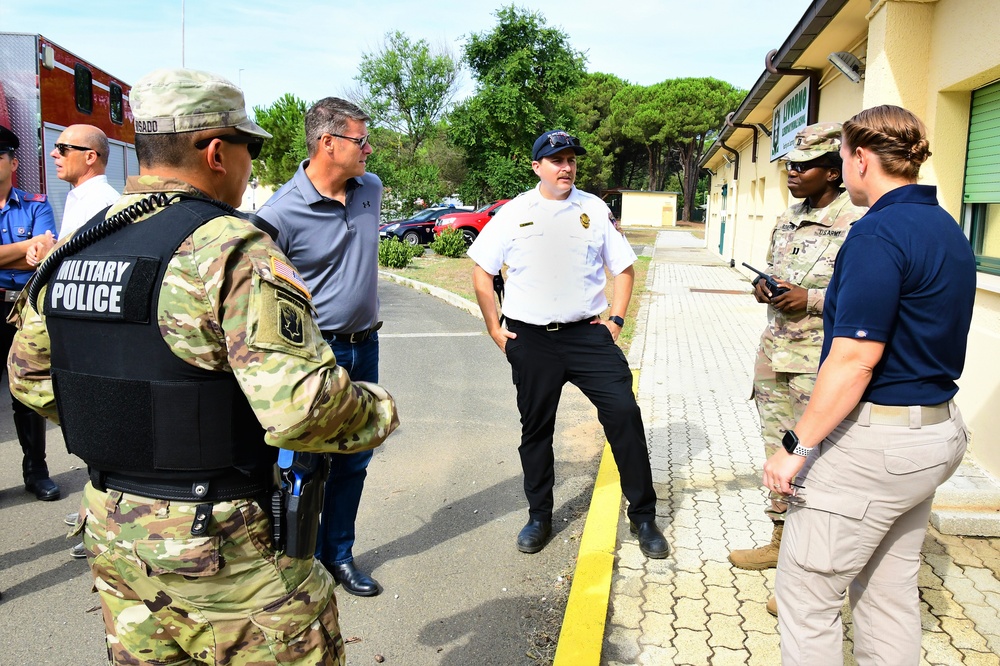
(560, 139)
(359, 141)
(253, 143)
(63, 147)
(802, 167)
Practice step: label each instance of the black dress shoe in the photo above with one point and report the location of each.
(354, 581)
(533, 535)
(44, 489)
(652, 543)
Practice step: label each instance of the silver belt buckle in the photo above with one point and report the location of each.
(9, 295)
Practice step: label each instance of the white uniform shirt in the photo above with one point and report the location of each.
(555, 253)
(85, 201)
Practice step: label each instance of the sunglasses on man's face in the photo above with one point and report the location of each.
(64, 147)
(253, 143)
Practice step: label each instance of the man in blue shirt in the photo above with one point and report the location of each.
(23, 216)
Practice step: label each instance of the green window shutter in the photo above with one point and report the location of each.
(982, 165)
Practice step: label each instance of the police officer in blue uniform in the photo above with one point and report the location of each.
(23, 216)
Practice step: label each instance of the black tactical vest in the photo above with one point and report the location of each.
(127, 404)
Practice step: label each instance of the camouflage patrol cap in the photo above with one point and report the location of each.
(814, 141)
(170, 101)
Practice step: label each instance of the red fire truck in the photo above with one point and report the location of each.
(43, 89)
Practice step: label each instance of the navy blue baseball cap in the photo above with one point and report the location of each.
(553, 142)
(8, 140)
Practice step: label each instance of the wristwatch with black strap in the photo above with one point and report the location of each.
(617, 321)
(791, 443)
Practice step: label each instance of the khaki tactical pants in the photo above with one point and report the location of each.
(859, 522)
(223, 598)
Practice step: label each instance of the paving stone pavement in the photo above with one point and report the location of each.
(698, 332)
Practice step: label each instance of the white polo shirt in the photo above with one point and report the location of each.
(555, 253)
(85, 201)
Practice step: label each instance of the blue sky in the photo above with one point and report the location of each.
(312, 48)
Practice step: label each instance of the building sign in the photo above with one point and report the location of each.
(791, 115)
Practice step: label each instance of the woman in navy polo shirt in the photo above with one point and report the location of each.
(881, 432)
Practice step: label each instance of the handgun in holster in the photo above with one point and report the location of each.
(298, 501)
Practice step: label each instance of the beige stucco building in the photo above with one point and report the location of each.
(640, 208)
(938, 58)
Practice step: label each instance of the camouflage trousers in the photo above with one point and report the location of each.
(222, 598)
(781, 399)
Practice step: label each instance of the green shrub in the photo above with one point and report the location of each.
(392, 253)
(451, 243)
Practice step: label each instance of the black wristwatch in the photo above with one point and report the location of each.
(791, 443)
(617, 321)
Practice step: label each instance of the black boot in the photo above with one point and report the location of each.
(31, 433)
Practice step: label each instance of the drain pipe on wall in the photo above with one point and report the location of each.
(813, 111)
(729, 121)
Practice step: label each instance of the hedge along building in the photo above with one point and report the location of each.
(938, 58)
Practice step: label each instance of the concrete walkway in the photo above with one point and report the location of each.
(699, 329)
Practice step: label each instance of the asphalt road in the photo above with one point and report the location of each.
(442, 506)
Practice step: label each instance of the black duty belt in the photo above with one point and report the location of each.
(353, 338)
(9, 295)
(230, 486)
(553, 326)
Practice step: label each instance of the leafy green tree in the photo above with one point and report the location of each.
(694, 108)
(411, 181)
(590, 102)
(638, 113)
(522, 68)
(407, 87)
(281, 155)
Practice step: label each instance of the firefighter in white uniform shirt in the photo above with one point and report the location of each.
(556, 242)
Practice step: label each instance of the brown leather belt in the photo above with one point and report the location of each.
(899, 415)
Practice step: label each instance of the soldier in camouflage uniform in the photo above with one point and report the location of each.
(801, 257)
(176, 584)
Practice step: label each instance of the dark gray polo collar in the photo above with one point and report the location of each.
(309, 193)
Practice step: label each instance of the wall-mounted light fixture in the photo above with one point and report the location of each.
(848, 64)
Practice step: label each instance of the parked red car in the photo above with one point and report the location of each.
(470, 224)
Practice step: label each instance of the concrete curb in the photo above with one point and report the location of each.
(437, 292)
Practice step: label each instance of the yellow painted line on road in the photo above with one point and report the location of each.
(582, 636)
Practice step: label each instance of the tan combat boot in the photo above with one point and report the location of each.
(772, 605)
(765, 557)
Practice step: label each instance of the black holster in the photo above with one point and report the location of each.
(297, 504)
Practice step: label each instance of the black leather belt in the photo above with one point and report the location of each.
(232, 485)
(353, 338)
(553, 326)
(9, 295)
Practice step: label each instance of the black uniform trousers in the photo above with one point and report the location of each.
(585, 355)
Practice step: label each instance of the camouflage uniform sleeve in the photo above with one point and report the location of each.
(28, 365)
(230, 300)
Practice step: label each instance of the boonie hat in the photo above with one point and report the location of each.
(814, 141)
(554, 141)
(170, 101)
(8, 140)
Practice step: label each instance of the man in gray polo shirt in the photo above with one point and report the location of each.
(327, 219)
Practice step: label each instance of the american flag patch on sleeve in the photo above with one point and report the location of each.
(288, 274)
